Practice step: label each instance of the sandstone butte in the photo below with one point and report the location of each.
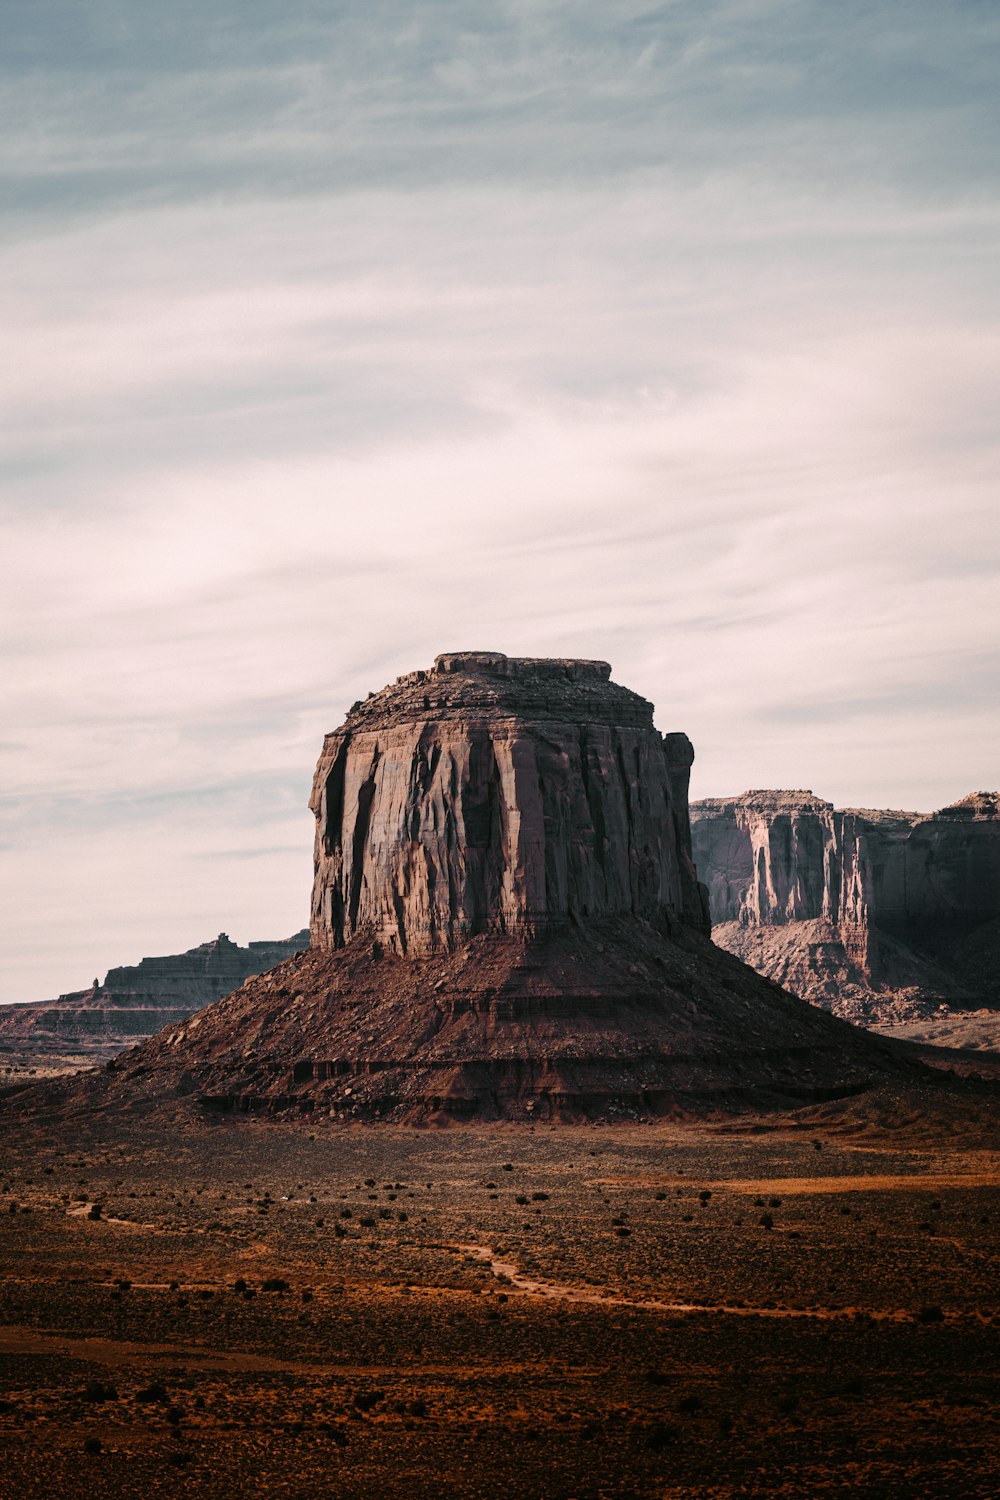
(877, 915)
(506, 923)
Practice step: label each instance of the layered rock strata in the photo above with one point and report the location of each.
(880, 915)
(135, 1001)
(503, 795)
(506, 924)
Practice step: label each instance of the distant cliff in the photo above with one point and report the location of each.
(875, 914)
(135, 1000)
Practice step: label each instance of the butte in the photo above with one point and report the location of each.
(506, 924)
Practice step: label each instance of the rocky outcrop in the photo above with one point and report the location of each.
(506, 924)
(135, 1001)
(497, 794)
(877, 914)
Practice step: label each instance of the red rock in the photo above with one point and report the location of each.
(877, 914)
(497, 794)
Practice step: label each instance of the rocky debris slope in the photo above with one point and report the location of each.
(618, 1019)
(134, 1001)
(506, 924)
(879, 915)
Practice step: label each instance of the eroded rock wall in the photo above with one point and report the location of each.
(859, 908)
(499, 794)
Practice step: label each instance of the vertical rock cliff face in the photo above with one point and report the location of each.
(774, 857)
(499, 794)
(859, 908)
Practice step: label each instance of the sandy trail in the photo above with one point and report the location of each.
(508, 1272)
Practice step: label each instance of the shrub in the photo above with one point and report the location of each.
(155, 1391)
(93, 1445)
(766, 1221)
(368, 1400)
(275, 1284)
(930, 1315)
(98, 1390)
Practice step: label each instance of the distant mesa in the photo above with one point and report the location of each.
(878, 915)
(506, 923)
(135, 1001)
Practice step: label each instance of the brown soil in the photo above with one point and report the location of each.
(517, 1311)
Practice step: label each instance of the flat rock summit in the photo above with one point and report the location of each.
(506, 923)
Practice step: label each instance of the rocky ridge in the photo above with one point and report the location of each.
(134, 1001)
(880, 915)
(506, 923)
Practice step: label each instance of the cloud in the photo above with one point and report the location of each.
(658, 333)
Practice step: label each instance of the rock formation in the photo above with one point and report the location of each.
(506, 923)
(878, 915)
(499, 795)
(134, 1001)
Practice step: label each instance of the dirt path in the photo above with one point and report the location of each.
(508, 1272)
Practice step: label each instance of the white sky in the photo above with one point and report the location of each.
(340, 335)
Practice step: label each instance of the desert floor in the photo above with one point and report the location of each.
(633, 1311)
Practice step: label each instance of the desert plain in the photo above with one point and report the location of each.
(797, 1305)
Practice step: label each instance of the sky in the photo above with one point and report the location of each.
(340, 335)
